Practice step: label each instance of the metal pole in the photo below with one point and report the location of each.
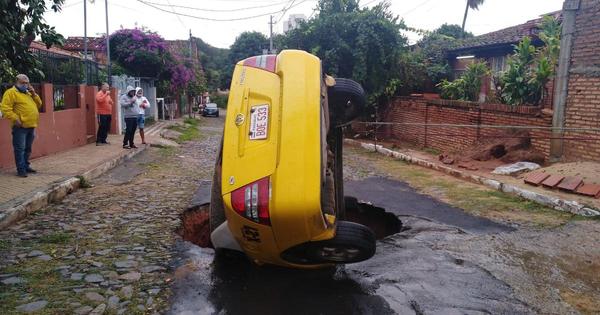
(271, 36)
(107, 45)
(85, 42)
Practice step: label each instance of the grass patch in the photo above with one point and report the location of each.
(84, 183)
(4, 244)
(56, 238)
(189, 130)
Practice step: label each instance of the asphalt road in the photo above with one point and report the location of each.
(408, 275)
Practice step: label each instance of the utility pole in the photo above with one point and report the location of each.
(107, 45)
(189, 96)
(85, 42)
(271, 35)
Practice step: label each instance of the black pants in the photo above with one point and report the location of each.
(130, 126)
(103, 127)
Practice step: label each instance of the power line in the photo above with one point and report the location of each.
(177, 15)
(291, 2)
(212, 19)
(218, 10)
(415, 8)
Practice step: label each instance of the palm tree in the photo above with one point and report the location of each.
(471, 4)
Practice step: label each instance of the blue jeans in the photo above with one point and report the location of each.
(22, 141)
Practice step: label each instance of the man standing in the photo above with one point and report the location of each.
(20, 104)
(131, 112)
(104, 105)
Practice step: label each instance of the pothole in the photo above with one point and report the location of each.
(195, 227)
(382, 223)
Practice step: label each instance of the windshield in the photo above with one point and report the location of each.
(211, 105)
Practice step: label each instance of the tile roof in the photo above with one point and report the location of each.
(76, 43)
(56, 50)
(508, 36)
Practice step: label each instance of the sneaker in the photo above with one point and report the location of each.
(126, 147)
(106, 142)
(30, 170)
(133, 146)
(22, 174)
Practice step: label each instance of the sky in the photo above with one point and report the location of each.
(157, 16)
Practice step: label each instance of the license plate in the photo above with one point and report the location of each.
(259, 122)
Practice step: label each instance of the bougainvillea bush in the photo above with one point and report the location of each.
(143, 53)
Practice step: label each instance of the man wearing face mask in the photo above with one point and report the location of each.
(131, 112)
(21, 105)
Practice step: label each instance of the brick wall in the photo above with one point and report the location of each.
(583, 100)
(420, 112)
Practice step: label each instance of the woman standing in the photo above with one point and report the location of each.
(131, 112)
(143, 104)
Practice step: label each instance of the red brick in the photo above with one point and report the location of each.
(552, 181)
(592, 190)
(536, 178)
(570, 183)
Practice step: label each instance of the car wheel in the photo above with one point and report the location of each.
(352, 243)
(347, 99)
(216, 210)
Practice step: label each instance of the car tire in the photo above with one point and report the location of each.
(347, 98)
(216, 209)
(352, 243)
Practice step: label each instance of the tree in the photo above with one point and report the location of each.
(140, 52)
(246, 45)
(427, 64)
(22, 21)
(471, 4)
(362, 44)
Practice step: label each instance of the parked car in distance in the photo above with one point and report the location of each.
(277, 190)
(210, 109)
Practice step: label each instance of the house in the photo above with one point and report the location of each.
(96, 50)
(495, 48)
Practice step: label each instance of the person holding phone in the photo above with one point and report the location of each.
(143, 104)
(104, 105)
(21, 105)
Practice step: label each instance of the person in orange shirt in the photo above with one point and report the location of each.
(104, 104)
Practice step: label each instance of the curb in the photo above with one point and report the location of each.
(58, 190)
(549, 201)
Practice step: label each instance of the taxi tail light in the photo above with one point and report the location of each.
(263, 62)
(252, 201)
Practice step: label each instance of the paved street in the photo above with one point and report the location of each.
(114, 249)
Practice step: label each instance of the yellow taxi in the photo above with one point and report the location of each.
(277, 191)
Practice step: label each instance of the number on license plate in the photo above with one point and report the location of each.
(259, 122)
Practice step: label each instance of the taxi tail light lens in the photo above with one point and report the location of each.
(263, 62)
(252, 201)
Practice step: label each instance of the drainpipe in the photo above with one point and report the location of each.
(569, 13)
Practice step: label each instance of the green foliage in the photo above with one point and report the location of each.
(246, 45)
(530, 68)
(214, 62)
(22, 21)
(362, 44)
(220, 100)
(466, 87)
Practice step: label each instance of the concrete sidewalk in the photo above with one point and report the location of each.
(61, 173)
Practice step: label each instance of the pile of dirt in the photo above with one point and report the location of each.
(508, 147)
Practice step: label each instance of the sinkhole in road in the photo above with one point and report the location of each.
(195, 227)
(381, 222)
